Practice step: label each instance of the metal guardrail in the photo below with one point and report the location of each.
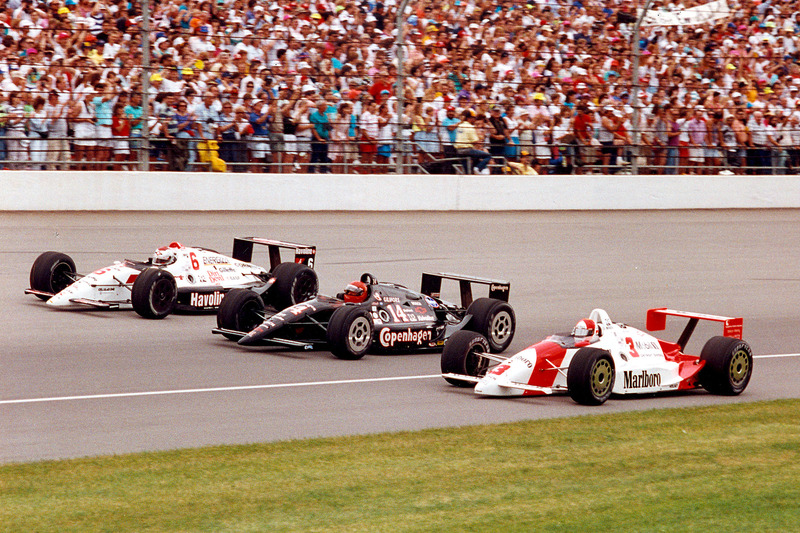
(122, 153)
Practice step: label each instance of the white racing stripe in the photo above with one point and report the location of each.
(214, 389)
(259, 387)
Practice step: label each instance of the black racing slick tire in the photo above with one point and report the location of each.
(350, 332)
(294, 283)
(495, 320)
(240, 310)
(154, 293)
(52, 272)
(590, 377)
(729, 365)
(460, 357)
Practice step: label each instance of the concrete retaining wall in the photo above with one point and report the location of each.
(165, 191)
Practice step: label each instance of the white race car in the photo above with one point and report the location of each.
(600, 358)
(178, 277)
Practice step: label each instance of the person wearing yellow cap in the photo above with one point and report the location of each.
(468, 143)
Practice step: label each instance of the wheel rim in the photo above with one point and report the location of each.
(305, 288)
(163, 294)
(739, 367)
(475, 364)
(602, 374)
(359, 334)
(501, 328)
(62, 277)
(250, 316)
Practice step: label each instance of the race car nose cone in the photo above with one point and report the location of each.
(59, 300)
(253, 337)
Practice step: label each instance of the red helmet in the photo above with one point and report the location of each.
(584, 328)
(355, 292)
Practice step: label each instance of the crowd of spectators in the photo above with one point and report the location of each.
(283, 86)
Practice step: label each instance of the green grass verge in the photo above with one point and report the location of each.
(728, 468)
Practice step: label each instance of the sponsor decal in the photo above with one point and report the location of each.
(225, 269)
(215, 277)
(502, 288)
(305, 251)
(199, 299)
(389, 338)
(215, 260)
(433, 303)
(389, 299)
(641, 380)
(377, 296)
(499, 369)
(106, 289)
(527, 361)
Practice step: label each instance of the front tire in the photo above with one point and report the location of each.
(52, 272)
(154, 293)
(460, 357)
(240, 310)
(350, 332)
(495, 320)
(729, 365)
(590, 377)
(294, 283)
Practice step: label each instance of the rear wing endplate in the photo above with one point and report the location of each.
(657, 321)
(432, 286)
(243, 250)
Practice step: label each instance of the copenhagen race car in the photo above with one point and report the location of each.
(600, 358)
(180, 278)
(368, 315)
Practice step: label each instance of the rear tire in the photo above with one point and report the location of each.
(154, 293)
(52, 272)
(495, 320)
(350, 332)
(729, 365)
(240, 310)
(459, 357)
(294, 283)
(590, 377)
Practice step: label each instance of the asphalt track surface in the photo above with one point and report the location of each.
(84, 383)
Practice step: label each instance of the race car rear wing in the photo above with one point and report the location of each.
(657, 321)
(243, 250)
(432, 286)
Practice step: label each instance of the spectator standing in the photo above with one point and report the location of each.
(275, 134)
(38, 133)
(187, 133)
(226, 133)
(102, 104)
(498, 134)
(387, 123)
(121, 131)
(133, 115)
(260, 140)
(15, 130)
(370, 130)
(58, 152)
(320, 136)
(85, 142)
(759, 157)
(303, 132)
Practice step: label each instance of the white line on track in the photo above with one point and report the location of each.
(214, 389)
(259, 387)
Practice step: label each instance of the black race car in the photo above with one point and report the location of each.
(372, 316)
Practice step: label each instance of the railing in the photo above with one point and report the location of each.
(301, 156)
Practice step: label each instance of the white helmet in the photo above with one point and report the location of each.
(166, 255)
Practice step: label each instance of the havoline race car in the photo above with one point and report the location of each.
(178, 277)
(600, 358)
(368, 315)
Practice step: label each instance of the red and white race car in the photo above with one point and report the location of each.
(600, 358)
(178, 277)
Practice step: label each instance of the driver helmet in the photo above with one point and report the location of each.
(584, 328)
(355, 292)
(166, 255)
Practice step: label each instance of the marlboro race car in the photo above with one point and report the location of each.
(600, 358)
(179, 278)
(383, 317)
